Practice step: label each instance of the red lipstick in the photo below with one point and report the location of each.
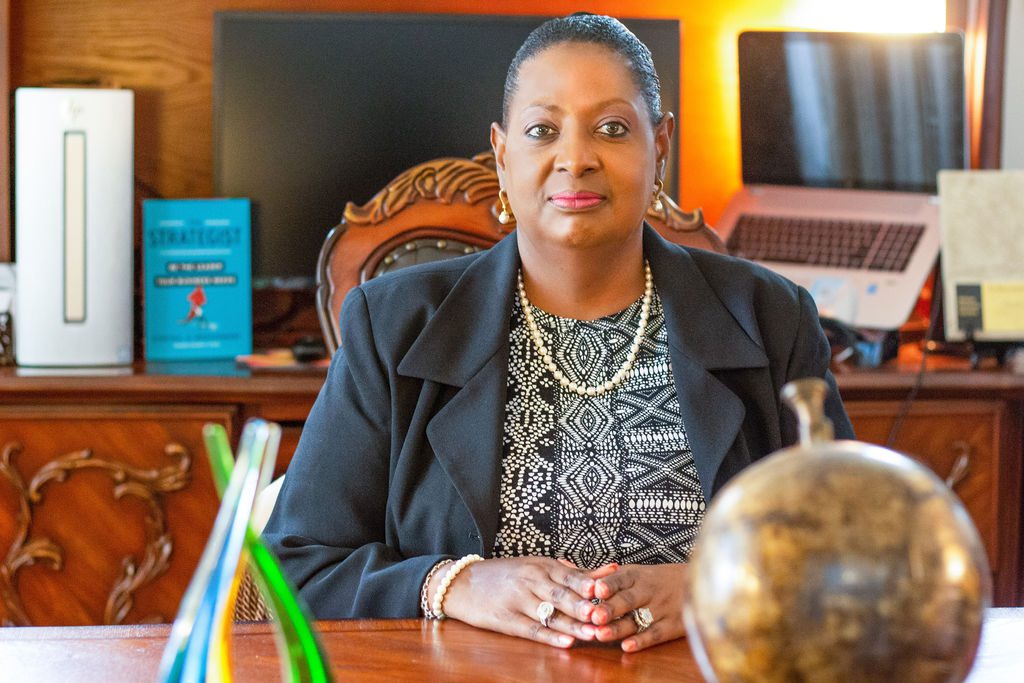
(576, 200)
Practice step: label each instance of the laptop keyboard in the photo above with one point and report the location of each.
(823, 242)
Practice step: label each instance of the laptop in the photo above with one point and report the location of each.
(842, 138)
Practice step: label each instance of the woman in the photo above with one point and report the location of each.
(563, 404)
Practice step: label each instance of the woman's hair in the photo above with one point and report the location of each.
(583, 27)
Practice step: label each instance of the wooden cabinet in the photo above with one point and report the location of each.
(967, 428)
(959, 441)
(110, 507)
(106, 498)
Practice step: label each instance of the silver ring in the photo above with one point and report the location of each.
(643, 619)
(544, 612)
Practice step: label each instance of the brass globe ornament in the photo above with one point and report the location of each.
(836, 561)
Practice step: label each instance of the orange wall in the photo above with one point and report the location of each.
(163, 50)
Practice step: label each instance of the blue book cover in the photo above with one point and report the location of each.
(198, 272)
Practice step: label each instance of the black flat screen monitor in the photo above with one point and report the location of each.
(851, 110)
(312, 111)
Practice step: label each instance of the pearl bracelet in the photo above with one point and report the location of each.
(424, 599)
(438, 607)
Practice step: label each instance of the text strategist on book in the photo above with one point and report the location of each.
(525, 439)
(198, 289)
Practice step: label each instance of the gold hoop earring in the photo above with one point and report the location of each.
(506, 216)
(659, 190)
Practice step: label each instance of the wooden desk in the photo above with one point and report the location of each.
(406, 650)
(133, 419)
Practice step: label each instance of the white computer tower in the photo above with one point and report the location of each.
(73, 176)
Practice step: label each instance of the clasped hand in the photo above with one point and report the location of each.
(503, 595)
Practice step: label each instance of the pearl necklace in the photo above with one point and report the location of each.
(549, 361)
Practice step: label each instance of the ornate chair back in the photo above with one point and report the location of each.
(440, 209)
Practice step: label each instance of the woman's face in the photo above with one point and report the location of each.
(580, 156)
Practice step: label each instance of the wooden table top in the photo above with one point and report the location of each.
(408, 649)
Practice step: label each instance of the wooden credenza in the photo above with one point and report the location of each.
(106, 498)
(968, 428)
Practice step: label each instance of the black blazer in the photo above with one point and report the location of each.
(398, 466)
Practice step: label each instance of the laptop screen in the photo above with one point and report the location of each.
(851, 110)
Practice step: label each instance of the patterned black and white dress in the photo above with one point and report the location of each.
(597, 479)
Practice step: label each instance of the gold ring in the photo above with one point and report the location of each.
(643, 619)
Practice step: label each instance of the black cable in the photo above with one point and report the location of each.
(908, 402)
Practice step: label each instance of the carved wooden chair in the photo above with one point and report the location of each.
(439, 209)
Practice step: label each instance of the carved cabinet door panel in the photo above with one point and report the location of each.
(104, 510)
(961, 442)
